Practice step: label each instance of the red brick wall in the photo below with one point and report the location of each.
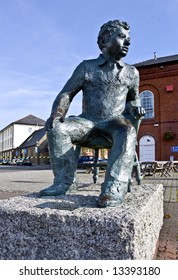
(155, 78)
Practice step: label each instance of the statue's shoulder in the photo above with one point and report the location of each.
(132, 69)
(92, 62)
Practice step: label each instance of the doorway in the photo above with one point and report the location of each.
(147, 148)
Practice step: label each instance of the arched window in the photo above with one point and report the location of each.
(147, 102)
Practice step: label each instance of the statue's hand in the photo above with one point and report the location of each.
(137, 112)
(50, 121)
(141, 112)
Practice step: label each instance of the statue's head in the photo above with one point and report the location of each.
(111, 29)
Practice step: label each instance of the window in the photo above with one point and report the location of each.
(29, 129)
(147, 102)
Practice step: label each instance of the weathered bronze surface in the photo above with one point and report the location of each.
(111, 115)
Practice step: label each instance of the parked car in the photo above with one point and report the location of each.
(23, 162)
(103, 160)
(103, 163)
(86, 159)
(4, 162)
(13, 161)
(90, 159)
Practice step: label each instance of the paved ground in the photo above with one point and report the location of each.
(168, 240)
(22, 180)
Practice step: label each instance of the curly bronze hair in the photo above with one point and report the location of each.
(108, 28)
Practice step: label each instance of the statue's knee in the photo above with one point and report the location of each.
(57, 130)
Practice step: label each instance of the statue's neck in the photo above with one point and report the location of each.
(110, 58)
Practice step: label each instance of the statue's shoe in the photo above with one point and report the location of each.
(112, 196)
(107, 200)
(56, 190)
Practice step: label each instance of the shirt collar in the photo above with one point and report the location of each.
(102, 60)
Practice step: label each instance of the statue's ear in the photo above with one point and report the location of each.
(103, 45)
(102, 39)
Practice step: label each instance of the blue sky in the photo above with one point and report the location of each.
(42, 41)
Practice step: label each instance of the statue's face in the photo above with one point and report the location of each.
(118, 44)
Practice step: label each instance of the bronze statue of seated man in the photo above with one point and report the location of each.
(111, 110)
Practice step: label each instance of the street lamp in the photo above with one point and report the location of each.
(37, 152)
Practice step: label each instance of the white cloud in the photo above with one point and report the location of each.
(20, 102)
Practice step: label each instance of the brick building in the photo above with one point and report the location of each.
(158, 134)
(35, 148)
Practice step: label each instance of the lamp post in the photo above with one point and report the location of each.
(37, 152)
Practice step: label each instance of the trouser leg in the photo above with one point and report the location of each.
(120, 165)
(64, 154)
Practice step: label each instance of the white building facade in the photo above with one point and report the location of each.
(13, 135)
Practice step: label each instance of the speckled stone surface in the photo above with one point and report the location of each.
(72, 227)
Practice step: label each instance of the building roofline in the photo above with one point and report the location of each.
(31, 140)
(157, 60)
(28, 120)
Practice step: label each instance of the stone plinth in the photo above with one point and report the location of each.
(71, 227)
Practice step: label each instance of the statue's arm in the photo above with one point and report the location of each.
(133, 106)
(64, 98)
